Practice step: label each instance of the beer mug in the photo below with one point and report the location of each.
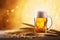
(41, 21)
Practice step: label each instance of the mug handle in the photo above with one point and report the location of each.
(50, 22)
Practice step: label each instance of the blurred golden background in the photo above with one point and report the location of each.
(14, 12)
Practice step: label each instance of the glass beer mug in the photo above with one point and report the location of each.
(41, 21)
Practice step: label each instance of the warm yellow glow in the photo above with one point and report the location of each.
(12, 10)
(40, 22)
(26, 10)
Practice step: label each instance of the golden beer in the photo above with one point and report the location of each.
(41, 25)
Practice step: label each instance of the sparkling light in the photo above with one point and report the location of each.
(12, 10)
(7, 20)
